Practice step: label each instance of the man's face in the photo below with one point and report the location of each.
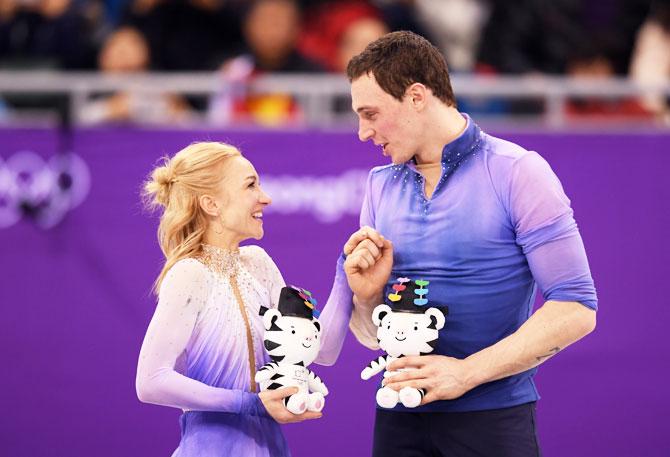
(389, 123)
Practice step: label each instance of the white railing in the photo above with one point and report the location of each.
(316, 93)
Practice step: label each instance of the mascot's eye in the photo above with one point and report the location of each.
(388, 327)
(416, 327)
(293, 332)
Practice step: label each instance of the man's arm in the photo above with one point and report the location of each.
(553, 327)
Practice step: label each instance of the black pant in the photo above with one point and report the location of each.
(507, 432)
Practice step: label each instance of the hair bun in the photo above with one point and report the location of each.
(157, 188)
(163, 175)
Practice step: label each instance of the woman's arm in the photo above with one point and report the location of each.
(335, 318)
(182, 296)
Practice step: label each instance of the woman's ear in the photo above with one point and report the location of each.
(209, 205)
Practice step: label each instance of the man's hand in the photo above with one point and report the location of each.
(369, 262)
(274, 405)
(442, 377)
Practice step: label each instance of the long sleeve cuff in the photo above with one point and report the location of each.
(251, 404)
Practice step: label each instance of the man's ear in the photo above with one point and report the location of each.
(417, 95)
(209, 205)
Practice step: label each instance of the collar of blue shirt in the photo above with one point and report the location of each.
(455, 151)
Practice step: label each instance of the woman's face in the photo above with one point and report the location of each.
(241, 200)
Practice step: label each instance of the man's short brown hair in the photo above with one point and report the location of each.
(399, 59)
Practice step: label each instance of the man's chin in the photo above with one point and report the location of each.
(397, 159)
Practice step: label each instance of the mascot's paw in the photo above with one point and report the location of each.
(297, 403)
(263, 375)
(316, 402)
(366, 374)
(410, 397)
(387, 398)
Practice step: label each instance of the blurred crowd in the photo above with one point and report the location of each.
(244, 38)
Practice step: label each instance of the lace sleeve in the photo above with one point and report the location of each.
(361, 324)
(335, 317)
(182, 295)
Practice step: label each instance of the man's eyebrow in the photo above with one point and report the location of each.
(363, 108)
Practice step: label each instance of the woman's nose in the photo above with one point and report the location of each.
(265, 198)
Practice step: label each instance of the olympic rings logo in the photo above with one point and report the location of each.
(41, 190)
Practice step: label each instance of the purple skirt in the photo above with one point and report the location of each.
(209, 434)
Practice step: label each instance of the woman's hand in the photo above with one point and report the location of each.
(273, 401)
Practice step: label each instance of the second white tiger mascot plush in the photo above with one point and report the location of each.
(407, 328)
(292, 339)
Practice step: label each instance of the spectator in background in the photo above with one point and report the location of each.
(271, 29)
(47, 35)
(187, 35)
(530, 36)
(401, 15)
(650, 63)
(126, 51)
(562, 37)
(50, 34)
(456, 26)
(335, 31)
(589, 64)
(113, 9)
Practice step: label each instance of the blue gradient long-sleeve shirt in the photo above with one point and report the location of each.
(497, 226)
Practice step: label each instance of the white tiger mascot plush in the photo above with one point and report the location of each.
(291, 339)
(407, 328)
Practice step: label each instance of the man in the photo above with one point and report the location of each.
(484, 221)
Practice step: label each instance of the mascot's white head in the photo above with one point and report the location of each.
(292, 331)
(409, 327)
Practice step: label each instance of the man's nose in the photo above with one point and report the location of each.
(364, 133)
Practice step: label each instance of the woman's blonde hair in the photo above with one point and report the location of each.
(176, 187)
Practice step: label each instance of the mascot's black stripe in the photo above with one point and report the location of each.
(270, 345)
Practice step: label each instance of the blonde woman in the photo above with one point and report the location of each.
(204, 341)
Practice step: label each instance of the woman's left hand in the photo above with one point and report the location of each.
(273, 401)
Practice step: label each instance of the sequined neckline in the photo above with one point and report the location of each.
(463, 145)
(455, 151)
(219, 260)
(453, 154)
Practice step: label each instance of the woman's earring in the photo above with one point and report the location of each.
(220, 220)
